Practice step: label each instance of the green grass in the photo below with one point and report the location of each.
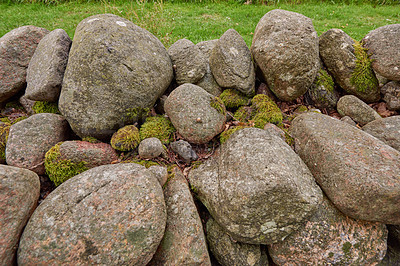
(199, 21)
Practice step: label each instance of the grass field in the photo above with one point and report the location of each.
(197, 21)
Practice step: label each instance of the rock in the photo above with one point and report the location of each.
(229, 252)
(27, 104)
(115, 73)
(331, 238)
(322, 92)
(151, 148)
(274, 130)
(356, 109)
(184, 242)
(109, 215)
(348, 63)
(206, 47)
(348, 120)
(160, 172)
(16, 50)
(47, 66)
(382, 45)
(190, 64)
(184, 150)
(350, 166)
(231, 63)
(391, 95)
(19, 193)
(386, 129)
(285, 48)
(30, 139)
(393, 247)
(257, 177)
(196, 114)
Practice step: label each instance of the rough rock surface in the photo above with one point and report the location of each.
(332, 238)
(184, 242)
(322, 92)
(16, 50)
(273, 129)
(337, 52)
(360, 112)
(277, 197)
(46, 69)
(108, 215)
(30, 139)
(19, 193)
(386, 129)
(150, 148)
(382, 44)
(231, 63)
(206, 47)
(348, 120)
(350, 166)
(161, 172)
(285, 47)
(228, 252)
(191, 112)
(115, 73)
(184, 150)
(391, 95)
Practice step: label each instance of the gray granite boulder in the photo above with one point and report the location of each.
(115, 73)
(382, 44)
(285, 48)
(359, 111)
(184, 150)
(331, 238)
(196, 114)
(150, 148)
(16, 50)
(386, 129)
(30, 139)
(161, 172)
(19, 193)
(109, 215)
(231, 63)
(348, 120)
(257, 189)
(46, 69)
(322, 92)
(391, 95)
(350, 166)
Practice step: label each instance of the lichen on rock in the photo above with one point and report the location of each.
(126, 138)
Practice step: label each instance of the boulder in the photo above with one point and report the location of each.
(184, 150)
(30, 139)
(285, 48)
(196, 114)
(206, 47)
(348, 120)
(16, 50)
(386, 129)
(151, 148)
(391, 95)
(19, 194)
(115, 73)
(231, 63)
(257, 177)
(322, 92)
(109, 215)
(161, 172)
(360, 112)
(358, 172)
(382, 45)
(331, 238)
(46, 69)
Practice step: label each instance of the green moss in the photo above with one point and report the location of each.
(5, 120)
(60, 170)
(15, 105)
(157, 127)
(226, 134)
(171, 174)
(330, 254)
(218, 105)
(301, 109)
(196, 164)
(233, 98)
(91, 140)
(243, 114)
(325, 80)
(144, 163)
(45, 107)
(126, 138)
(19, 119)
(136, 114)
(363, 77)
(346, 247)
(4, 131)
(265, 111)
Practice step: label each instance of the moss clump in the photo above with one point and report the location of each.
(14, 104)
(265, 111)
(226, 134)
(145, 163)
(91, 140)
(218, 105)
(19, 119)
(157, 127)
(4, 131)
(136, 114)
(60, 170)
(243, 114)
(325, 80)
(363, 77)
(126, 138)
(45, 107)
(233, 99)
(8, 121)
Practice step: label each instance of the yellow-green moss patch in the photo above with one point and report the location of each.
(91, 140)
(4, 131)
(126, 138)
(363, 77)
(233, 99)
(243, 114)
(157, 127)
(265, 111)
(45, 107)
(218, 105)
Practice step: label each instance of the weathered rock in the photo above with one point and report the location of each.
(257, 177)
(16, 50)
(161, 172)
(350, 166)
(184, 150)
(109, 215)
(382, 45)
(348, 120)
(115, 73)
(285, 48)
(360, 112)
(196, 114)
(391, 95)
(273, 129)
(189, 62)
(27, 104)
(322, 92)
(150, 148)
(231, 63)
(30, 139)
(206, 47)
(229, 252)
(386, 129)
(331, 238)
(337, 50)
(46, 69)
(184, 242)
(19, 193)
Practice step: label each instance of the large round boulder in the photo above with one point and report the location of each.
(115, 73)
(386, 129)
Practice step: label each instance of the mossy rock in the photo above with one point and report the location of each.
(157, 127)
(322, 92)
(265, 111)
(218, 104)
(226, 134)
(4, 131)
(126, 138)
(45, 107)
(91, 140)
(233, 99)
